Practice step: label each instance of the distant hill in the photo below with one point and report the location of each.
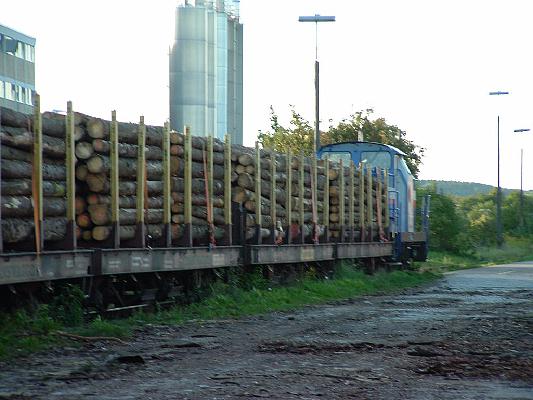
(462, 189)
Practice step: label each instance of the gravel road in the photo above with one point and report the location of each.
(469, 336)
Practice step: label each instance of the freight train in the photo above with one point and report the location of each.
(131, 212)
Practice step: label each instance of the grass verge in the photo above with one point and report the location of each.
(513, 250)
(22, 334)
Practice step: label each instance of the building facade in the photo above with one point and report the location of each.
(17, 70)
(206, 79)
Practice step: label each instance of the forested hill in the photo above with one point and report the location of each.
(461, 189)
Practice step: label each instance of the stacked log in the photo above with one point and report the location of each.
(17, 172)
(313, 204)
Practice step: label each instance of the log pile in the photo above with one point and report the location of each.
(291, 199)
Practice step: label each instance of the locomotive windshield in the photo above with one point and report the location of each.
(378, 159)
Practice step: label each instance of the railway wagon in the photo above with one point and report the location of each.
(130, 211)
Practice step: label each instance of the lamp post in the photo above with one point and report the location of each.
(521, 180)
(316, 19)
(499, 237)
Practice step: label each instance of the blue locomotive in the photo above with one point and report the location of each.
(409, 244)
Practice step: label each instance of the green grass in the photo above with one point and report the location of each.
(23, 334)
(513, 250)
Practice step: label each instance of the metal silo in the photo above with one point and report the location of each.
(203, 64)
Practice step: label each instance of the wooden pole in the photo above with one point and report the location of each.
(362, 237)
(114, 182)
(187, 193)
(342, 218)
(326, 201)
(288, 200)
(37, 181)
(227, 191)
(351, 201)
(70, 237)
(379, 201)
(258, 217)
(167, 194)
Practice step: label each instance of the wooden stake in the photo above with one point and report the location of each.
(288, 200)
(167, 195)
(351, 201)
(114, 181)
(273, 202)
(369, 207)
(301, 193)
(227, 191)
(342, 218)
(362, 202)
(325, 202)
(187, 194)
(70, 237)
(257, 177)
(37, 181)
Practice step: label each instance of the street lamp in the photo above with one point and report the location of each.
(499, 237)
(521, 176)
(316, 19)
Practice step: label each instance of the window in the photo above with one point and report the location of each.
(9, 91)
(379, 159)
(29, 96)
(10, 45)
(20, 50)
(29, 53)
(345, 156)
(19, 94)
(1, 89)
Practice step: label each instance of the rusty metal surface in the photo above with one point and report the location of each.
(175, 259)
(413, 237)
(272, 254)
(364, 250)
(30, 267)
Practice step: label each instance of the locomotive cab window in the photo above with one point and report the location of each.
(379, 159)
(345, 156)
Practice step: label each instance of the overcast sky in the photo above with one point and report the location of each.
(426, 66)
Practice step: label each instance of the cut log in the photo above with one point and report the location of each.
(84, 221)
(22, 206)
(21, 187)
(22, 169)
(101, 215)
(197, 200)
(99, 183)
(197, 154)
(15, 230)
(84, 150)
(156, 231)
(201, 212)
(127, 132)
(127, 150)
(127, 167)
(21, 138)
(124, 201)
(81, 172)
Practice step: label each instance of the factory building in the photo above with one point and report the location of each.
(17, 70)
(206, 69)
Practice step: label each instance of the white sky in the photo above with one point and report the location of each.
(426, 66)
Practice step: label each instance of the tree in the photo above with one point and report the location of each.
(299, 136)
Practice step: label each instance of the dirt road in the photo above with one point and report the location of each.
(470, 336)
